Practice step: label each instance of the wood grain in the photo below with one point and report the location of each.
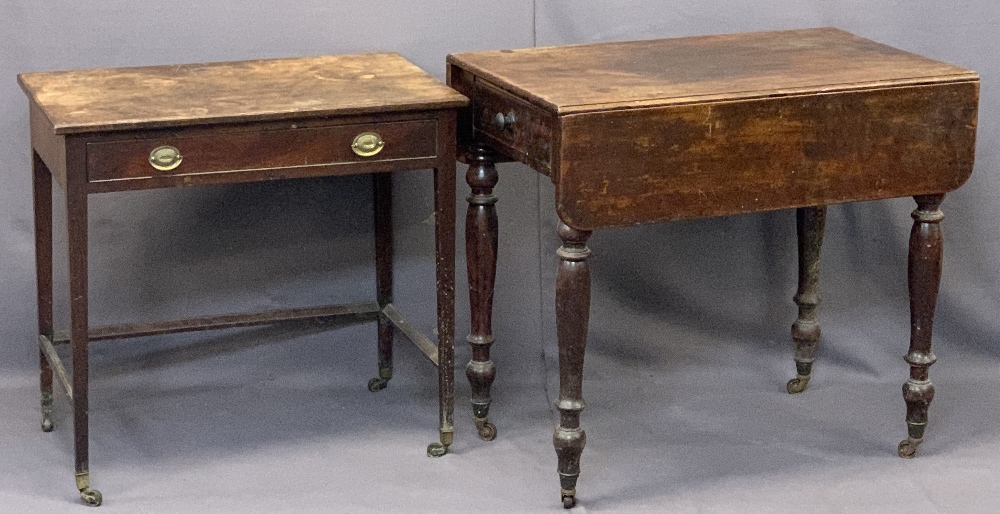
(581, 78)
(529, 139)
(225, 152)
(49, 146)
(646, 165)
(650, 131)
(272, 89)
(93, 130)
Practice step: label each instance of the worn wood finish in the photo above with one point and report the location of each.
(50, 147)
(382, 201)
(521, 127)
(810, 223)
(464, 82)
(650, 131)
(421, 341)
(360, 311)
(232, 152)
(609, 76)
(444, 268)
(116, 99)
(93, 130)
(924, 276)
(720, 158)
(48, 350)
(42, 199)
(572, 316)
(76, 223)
(481, 242)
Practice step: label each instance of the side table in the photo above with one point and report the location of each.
(107, 130)
(652, 131)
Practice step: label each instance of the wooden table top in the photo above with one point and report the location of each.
(605, 76)
(261, 90)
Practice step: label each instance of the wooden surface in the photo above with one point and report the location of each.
(711, 159)
(650, 131)
(95, 130)
(214, 151)
(529, 140)
(189, 94)
(581, 78)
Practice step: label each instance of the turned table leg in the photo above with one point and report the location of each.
(382, 200)
(924, 275)
(810, 222)
(572, 315)
(481, 256)
(43, 267)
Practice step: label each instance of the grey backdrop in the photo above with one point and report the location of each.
(688, 350)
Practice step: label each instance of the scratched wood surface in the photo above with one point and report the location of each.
(650, 131)
(189, 94)
(261, 149)
(710, 159)
(579, 78)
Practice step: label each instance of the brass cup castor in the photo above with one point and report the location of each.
(797, 384)
(439, 449)
(91, 497)
(436, 450)
(47, 402)
(908, 447)
(487, 431)
(377, 384)
(569, 499)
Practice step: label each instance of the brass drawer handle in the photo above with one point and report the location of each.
(165, 158)
(367, 144)
(504, 122)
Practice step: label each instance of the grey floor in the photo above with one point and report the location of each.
(269, 420)
(685, 381)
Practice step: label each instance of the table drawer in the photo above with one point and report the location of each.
(204, 152)
(523, 128)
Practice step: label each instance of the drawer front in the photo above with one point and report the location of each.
(525, 130)
(206, 151)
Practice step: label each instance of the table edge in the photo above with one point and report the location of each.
(60, 130)
(450, 99)
(497, 81)
(846, 87)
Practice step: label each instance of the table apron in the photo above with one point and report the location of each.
(253, 155)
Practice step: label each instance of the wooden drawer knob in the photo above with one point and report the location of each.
(367, 144)
(504, 121)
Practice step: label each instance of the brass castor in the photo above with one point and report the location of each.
(487, 430)
(797, 384)
(568, 500)
(908, 447)
(47, 402)
(91, 497)
(377, 384)
(436, 450)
